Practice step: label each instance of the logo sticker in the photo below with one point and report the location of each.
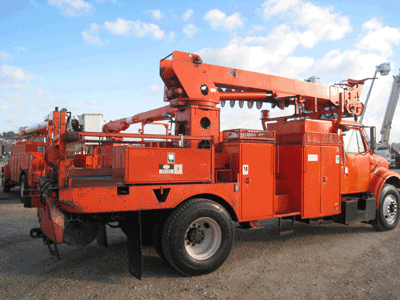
(178, 169)
(245, 170)
(312, 157)
(166, 169)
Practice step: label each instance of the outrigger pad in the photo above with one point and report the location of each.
(131, 227)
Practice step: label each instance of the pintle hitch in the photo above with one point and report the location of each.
(130, 225)
(36, 233)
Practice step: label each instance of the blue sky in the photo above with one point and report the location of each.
(94, 56)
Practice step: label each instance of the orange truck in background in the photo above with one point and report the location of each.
(183, 191)
(26, 162)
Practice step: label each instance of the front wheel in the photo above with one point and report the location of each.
(387, 216)
(197, 237)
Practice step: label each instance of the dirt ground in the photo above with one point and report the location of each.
(324, 261)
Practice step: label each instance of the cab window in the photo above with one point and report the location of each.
(353, 141)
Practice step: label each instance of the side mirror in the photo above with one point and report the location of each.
(372, 141)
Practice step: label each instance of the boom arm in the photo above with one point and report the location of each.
(148, 116)
(390, 110)
(189, 80)
(37, 128)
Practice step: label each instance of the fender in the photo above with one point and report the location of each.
(231, 206)
(380, 177)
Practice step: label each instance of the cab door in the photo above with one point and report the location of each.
(356, 167)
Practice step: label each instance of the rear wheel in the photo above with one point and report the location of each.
(23, 183)
(197, 237)
(5, 187)
(387, 216)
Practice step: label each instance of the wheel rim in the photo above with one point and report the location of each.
(22, 188)
(390, 209)
(203, 238)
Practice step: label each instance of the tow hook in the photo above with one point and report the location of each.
(36, 233)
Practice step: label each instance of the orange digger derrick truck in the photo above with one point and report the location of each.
(26, 163)
(182, 192)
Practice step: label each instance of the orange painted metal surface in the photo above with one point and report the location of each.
(289, 179)
(295, 167)
(308, 168)
(330, 176)
(149, 116)
(311, 200)
(257, 180)
(170, 165)
(189, 80)
(29, 159)
(380, 176)
(101, 199)
(357, 176)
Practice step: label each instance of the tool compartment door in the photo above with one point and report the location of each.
(311, 204)
(257, 180)
(321, 185)
(330, 181)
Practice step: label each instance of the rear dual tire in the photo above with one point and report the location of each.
(23, 183)
(197, 237)
(5, 187)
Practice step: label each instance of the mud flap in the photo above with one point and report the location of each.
(132, 228)
(102, 236)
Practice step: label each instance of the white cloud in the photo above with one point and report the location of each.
(38, 91)
(259, 53)
(137, 28)
(218, 19)
(16, 73)
(379, 38)
(293, 66)
(3, 105)
(186, 16)
(351, 63)
(317, 23)
(303, 24)
(5, 56)
(171, 36)
(91, 102)
(156, 14)
(91, 35)
(72, 8)
(14, 78)
(19, 49)
(190, 30)
(256, 28)
(154, 90)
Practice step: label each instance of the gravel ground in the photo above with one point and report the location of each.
(319, 261)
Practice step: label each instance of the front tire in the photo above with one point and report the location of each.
(197, 237)
(387, 216)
